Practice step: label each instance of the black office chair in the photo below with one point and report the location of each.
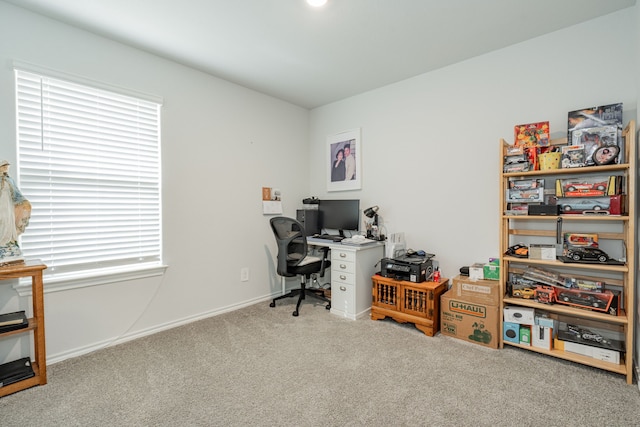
(294, 260)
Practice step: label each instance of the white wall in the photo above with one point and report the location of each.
(220, 144)
(430, 144)
(430, 161)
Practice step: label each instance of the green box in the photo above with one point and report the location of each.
(491, 272)
(525, 335)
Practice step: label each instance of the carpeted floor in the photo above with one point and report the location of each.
(260, 366)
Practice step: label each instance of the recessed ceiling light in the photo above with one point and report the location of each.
(317, 3)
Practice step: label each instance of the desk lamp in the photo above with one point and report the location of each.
(372, 232)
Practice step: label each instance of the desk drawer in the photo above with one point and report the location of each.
(340, 277)
(343, 266)
(338, 255)
(343, 299)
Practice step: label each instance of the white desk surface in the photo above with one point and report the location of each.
(332, 244)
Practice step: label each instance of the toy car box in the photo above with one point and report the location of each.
(596, 337)
(469, 321)
(596, 301)
(609, 205)
(525, 196)
(594, 186)
(580, 239)
(519, 287)
(587, 350)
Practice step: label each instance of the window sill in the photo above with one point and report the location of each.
(77, 281)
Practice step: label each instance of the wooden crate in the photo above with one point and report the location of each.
(408, 302)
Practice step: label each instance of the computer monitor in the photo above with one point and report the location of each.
(339, 215)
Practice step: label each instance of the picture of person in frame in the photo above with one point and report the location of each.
(338, 168)
(343, 162)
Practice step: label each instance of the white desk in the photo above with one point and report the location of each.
(351, 271)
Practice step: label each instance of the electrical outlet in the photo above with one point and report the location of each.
(244, 274)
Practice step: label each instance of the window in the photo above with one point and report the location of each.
(89, 163)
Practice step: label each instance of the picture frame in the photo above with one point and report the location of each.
(344, 171)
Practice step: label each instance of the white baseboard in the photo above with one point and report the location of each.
(79, 351)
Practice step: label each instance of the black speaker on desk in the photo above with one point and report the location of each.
(310, 220)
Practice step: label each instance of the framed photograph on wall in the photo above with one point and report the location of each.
(344, 161)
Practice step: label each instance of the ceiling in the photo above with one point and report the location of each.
(312, 57)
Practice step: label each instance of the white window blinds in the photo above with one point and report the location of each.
(89, 163)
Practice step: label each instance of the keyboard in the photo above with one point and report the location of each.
(329, 237)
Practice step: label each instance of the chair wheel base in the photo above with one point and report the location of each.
(273, 304)
(328, 307)
(295, 313)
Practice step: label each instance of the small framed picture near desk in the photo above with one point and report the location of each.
(344, 161)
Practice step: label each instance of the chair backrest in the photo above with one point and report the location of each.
(292, 243)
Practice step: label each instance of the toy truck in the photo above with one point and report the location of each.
(545, 294)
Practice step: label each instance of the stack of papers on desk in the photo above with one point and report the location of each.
(354, 241)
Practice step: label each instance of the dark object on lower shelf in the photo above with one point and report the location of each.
(13, 321)
(543, 210)
(587, 337)
(15, 371)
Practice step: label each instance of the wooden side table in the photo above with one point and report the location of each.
(408, 302)
(34, 269)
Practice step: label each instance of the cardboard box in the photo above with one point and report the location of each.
(521, 315)
(546, 322)
(592, 186)
(511, 332)
(542, 251)
(476, 271)
(491, 271)
(541, 336)
(469, 321)
(480, 291)
(587, 350)
(525, 335)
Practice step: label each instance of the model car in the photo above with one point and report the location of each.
(587, 254)
(585, 186)
(584, 284)
(545, 294)
(524, 194)
(525, 184)
(580, 298)
(526, 293)
(516, 167)
(582, 239)
(519, 251)
(585, 334)
(585, 205)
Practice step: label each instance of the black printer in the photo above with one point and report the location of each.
(413, 268)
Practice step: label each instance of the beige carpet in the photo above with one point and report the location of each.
(260, 366)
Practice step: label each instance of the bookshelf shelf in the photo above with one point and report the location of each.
(34, 270)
